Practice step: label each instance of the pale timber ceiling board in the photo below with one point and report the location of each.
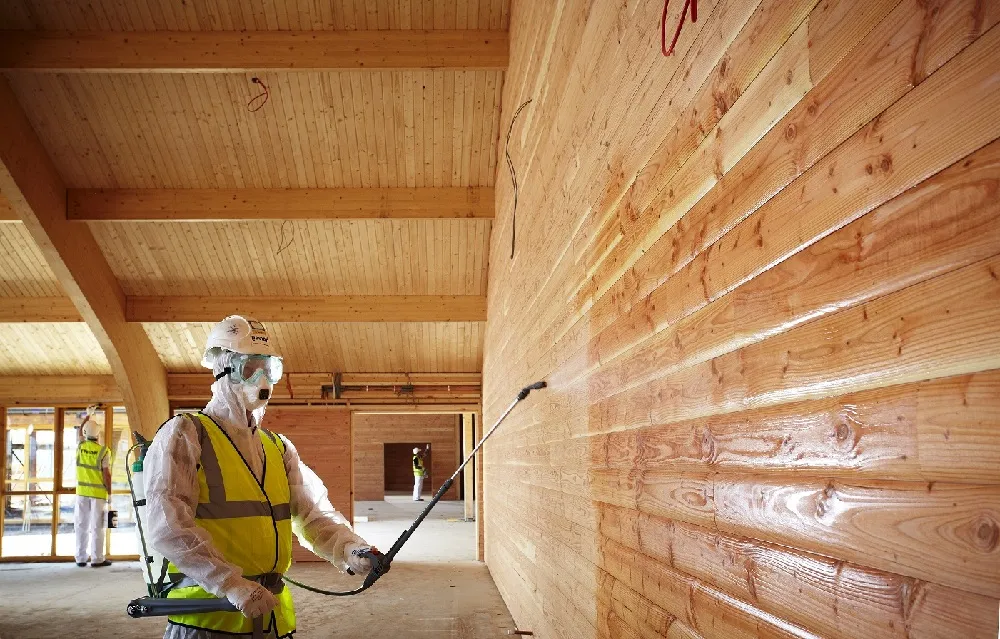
(50, 349)
(372, 347)
(264, 15)
(317, 129)
(371, 257)
(23, 270)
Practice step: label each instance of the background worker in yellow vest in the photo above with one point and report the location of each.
(418, 473)
(93, 484)
(224, 496)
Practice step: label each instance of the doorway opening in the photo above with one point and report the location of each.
(398, 471)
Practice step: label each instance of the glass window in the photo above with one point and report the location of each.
(65, 533)
(27, 525)
(121, 441)
(30, 449)
(72, 418)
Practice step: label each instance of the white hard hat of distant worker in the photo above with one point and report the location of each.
(253, 353)
(416, 450)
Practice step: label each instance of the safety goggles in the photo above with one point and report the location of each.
(250, 368)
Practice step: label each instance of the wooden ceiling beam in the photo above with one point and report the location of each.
(190, 388)
(340, 308)
(344, 308)
(32, 185)
(250, 51)
(38, 309)
(214, 205)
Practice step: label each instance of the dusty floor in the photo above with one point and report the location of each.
(435, 589)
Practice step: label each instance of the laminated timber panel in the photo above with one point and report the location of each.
(426, 257)
(317, 129)
(381, 347)
(264, 15)
(322, 437)
(786, 150)
(372, 432)
(764, 293)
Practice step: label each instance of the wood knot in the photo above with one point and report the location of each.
(708, 450)
(986, 534)
(790, 132)
(885, 163)
(824, 505)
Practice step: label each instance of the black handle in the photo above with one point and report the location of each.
(162, 607)
(527, 389)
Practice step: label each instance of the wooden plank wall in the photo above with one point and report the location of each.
(373, 431)
(323, 438)
(762, 278)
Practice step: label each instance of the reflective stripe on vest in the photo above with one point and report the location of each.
(90, 470)
(249, 522)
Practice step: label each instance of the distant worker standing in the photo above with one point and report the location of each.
(93, 485)
(418, 473)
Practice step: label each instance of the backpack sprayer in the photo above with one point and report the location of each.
(158, 605)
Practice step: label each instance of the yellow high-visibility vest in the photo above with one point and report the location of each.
(418, 466)
(90, 470)
(249, 522)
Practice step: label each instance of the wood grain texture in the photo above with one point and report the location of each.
(762, 293)
(243, 51)
(175, 15)
(38, 309)
(322, 438)
(317, 130)
(383, 347)
(372, 432)
(277, 204)
(356, 308)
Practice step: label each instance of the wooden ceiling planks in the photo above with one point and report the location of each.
(23, 270)
(371, 257)
(178, 15)
(317, 130)
(50, 349)
(372, 347)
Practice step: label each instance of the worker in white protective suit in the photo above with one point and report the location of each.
(93, 485)
(224, 496)
(419, 470)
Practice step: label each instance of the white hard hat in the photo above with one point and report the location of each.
(416, 450)
(91, 430)
(237, 334)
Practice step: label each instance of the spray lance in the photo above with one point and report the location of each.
(157, 605)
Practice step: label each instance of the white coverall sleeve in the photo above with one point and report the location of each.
(171, 478)
(317, 524)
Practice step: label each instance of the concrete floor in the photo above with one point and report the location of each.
(435, 589)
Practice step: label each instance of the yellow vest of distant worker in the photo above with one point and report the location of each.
(89, 470)
(418, 466)
(250, 524)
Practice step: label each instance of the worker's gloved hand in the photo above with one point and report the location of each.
(252, 599)
(352, 556)
(91, 410)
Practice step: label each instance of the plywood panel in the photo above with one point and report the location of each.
(372, 432)
(177, 15)
(50, 349)
(316, 129)
(322, 436)
(763, 293)
(372, 257)
(383, 347)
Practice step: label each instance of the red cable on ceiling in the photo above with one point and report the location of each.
(680, 24)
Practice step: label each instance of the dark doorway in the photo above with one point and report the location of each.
(399, 467)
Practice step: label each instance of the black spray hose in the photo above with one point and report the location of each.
(157, 607)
